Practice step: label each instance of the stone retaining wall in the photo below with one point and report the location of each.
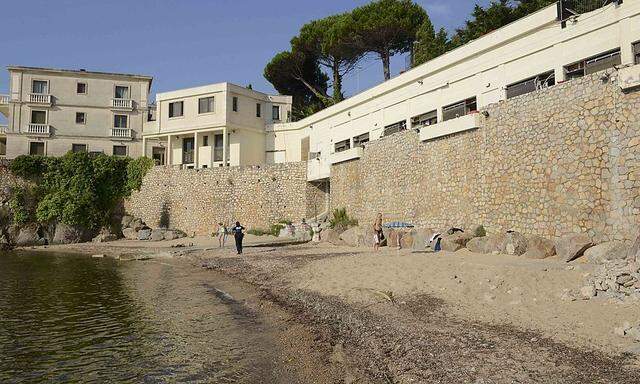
(565, 159)
(196, 200)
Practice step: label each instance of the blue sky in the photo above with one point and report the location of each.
(181, 43)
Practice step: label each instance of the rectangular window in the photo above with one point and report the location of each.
(275, 112)
(205, 141)
(119, 150)
(38, 117)
(121, 92)
(395, 127)
(40, 87)
(81, 88)
(636, 52)
(459, 109)
(541, 81)
(36, 148)
(234, 104)
(258, 110)
(425, 119)
(359, 140)
(218, 147)
(593, 64)
(80, 118)
(75, 148)
(120, 121)
(176, 109)
(342, 145)
(205, 105)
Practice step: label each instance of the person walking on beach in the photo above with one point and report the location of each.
(238, 235)
(378, 236)
(222, 234)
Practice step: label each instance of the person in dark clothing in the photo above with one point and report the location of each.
(238, 235)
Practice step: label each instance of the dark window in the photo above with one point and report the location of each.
(275, 112)
(40, 87)
(119, 150)
(592, 65)
(258, 110)
(395, 127)
(121, 92)
(359, 140)
(119, 121)
(342, 145)
(636, 52)
(205, 105)
(81, 88)
(425, 119)
(218, 147)
(36, 148)
(234, 104)
(38, 117)
(75, 148)
(80, 118)
(459, 109)
(175, 109)
(542, 81)
(205, 141)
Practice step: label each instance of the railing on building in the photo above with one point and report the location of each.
(571, 8)
(39, 129)
(3, 129)
(187, 157)
(218, 153)
(121, 103)
(4, 99)
(121, 133)
(39, 98)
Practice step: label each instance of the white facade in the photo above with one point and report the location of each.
(216, 125)
(53, 111)
(481, 72)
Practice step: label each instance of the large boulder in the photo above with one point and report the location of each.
(126, 220)
(137, 224)
(571, 246)
(172, 234)
(634, 253)
(539, 248)
(456, 241)
(515, 243)
(130, 234)
(70, 234)
(420, 238)
(408, 238)
(105, 235)
(144, 233)
(287, 231)
(332, 236)
(352, 237)
(157, 234)
(394, 238)
(486, 244)
(29, 235)
(610, 250)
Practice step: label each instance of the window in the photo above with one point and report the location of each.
(205, 141)
(205, 105)
(40, 87)
(80, 118)
(81, 88)
(176, 109)
(342, 145)
(234, 104)
(258, 110)
(119, 121)
(121, 92)
(592, 65)
(425, 119)
(75, 148)
(395, 127)
(459, 109)
(38, 117)
(36, 148)
(119, 150)
(636, 52)
(359, 140)
(275, 112)
(542, 81)
(218, 147)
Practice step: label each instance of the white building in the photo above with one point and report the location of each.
(441, 97)
(53, 111)
(216, 125)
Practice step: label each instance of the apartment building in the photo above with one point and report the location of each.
(53, 111)
(443, 96)
(216, 125)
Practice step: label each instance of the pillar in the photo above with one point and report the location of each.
(224, 147)
(195, 150)
(169, 151)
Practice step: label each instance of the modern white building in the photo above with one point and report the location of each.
(216, 125)
(54, 111)
(442, 97)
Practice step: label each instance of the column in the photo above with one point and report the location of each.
(144, 146)
(168, 151)
(195, 150)
(224, 147)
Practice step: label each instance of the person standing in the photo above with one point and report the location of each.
(378, 236)
(238, 235)
(222, 234)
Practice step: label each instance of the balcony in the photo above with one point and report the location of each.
(122, 104)
(629, 77)
(4, 105)
(121, 133)
(39, 130)
(3, 129)
(449, 127)
(349, 154)
(318, 169)
(40, 99)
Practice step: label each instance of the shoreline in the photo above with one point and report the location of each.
(414, 337)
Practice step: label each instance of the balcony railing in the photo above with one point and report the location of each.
(39, 129)
(444, 128)
(4, 99)
(218, 153)
(39, 98)
(3, 129)
(187, 157)
(121, 133)
(121, 103)
(346, 155)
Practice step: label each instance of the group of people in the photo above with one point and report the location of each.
(238, 234)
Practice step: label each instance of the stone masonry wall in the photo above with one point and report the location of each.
(565, 159)
(196, 200)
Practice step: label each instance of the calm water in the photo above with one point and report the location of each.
(79, 319)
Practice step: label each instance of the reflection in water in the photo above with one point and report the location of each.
(74, 318)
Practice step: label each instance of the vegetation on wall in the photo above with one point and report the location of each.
(75, 189)
(341, 221)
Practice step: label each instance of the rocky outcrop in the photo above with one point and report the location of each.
(486, 244)
(539, 248)
(610, 250)
(105, 235)
(571, 246)
(331, 236)
(69, 234)
(144, 233)
(515, 243)
(456, 241)
(30, 234)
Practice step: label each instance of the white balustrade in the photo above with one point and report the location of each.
(38, 129)
(4, 99)
(39, 98)
(122, 103)
(121, 133)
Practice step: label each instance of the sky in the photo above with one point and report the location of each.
(181, 43)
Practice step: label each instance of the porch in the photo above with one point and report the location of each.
(205, 148)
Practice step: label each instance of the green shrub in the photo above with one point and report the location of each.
(22, 205)
(28, 167)
(275, 229)
(136, 170)
(480, 231)
(341, 220)
(257, 232)
(284, 221)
